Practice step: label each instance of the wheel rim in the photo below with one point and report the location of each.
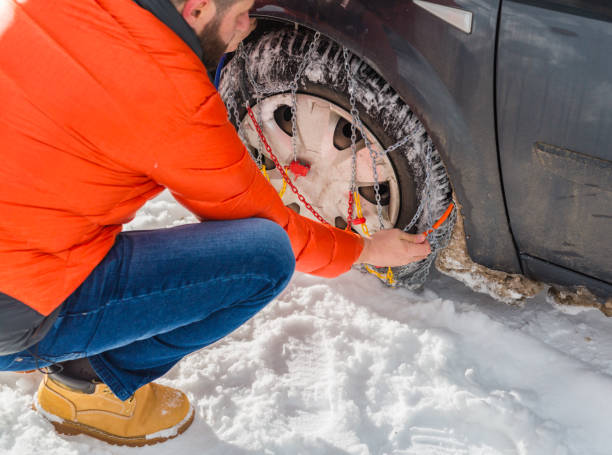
(324, 144)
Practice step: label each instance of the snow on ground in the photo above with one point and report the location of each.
(347, 366)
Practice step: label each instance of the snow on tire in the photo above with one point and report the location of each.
(414, 186)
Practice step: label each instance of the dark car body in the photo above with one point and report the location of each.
(520, 109)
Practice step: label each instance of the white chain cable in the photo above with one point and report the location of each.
(232, 108)
(294, 88)
(260, 145)
(357, 122)
(353, 102)
(374, 155)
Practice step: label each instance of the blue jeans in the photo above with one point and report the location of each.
(160, 295)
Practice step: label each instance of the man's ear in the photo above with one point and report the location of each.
(198, 12)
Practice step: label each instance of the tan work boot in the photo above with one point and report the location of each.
(154, 413)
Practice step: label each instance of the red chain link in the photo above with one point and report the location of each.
(349, 220)
(282, 169)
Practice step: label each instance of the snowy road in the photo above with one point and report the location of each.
(347, 366)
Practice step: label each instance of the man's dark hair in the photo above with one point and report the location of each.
(222, 5)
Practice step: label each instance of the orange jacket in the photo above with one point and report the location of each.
(102, 106)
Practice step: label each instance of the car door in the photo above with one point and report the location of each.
(554, 112)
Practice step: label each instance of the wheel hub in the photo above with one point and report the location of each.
(324, 144)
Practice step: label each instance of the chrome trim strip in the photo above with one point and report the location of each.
(456, 17)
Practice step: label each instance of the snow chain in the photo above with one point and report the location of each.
(438, 229)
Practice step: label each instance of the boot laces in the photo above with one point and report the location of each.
(110, 392)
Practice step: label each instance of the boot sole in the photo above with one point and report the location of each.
(74, 428)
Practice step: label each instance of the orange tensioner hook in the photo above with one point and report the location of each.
(442, 219)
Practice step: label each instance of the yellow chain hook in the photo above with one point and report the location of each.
(388, 278)
(283, 190)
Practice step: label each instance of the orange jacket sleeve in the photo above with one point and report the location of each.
(210, 172)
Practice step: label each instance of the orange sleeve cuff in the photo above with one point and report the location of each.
(347, 247)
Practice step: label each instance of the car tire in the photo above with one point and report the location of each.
(270, 59)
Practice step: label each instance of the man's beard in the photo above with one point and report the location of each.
(213, 46)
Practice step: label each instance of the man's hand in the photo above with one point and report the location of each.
(393, 247)
(240, 35)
